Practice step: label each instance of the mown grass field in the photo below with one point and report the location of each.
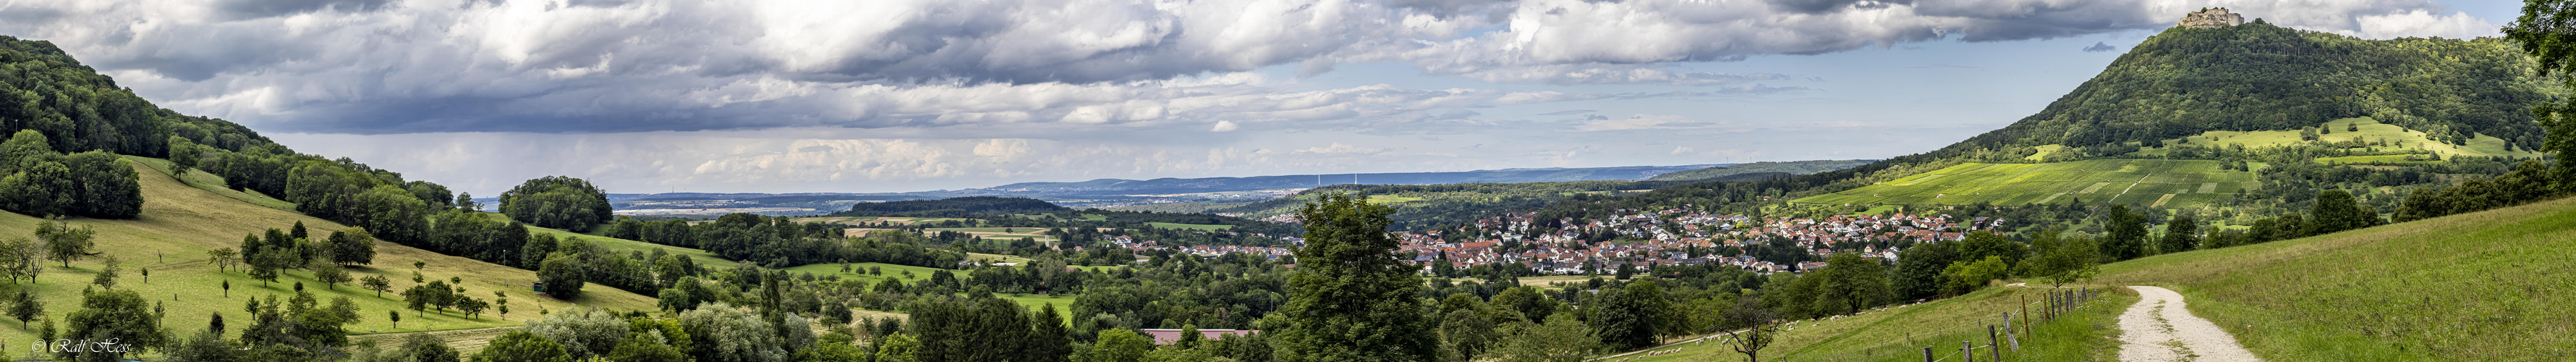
(2486, 286)
(2139, 182)
(181, 222)
(1883, 335)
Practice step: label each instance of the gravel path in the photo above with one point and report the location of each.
(2158, 328)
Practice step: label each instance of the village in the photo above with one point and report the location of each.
(1645, 240)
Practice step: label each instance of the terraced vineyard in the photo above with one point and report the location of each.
(2155, 183)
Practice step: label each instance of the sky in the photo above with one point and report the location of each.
(648, 96)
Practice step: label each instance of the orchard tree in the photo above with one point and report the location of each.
(65, 243)
(352, 246)
(331, 275)
(377, 283)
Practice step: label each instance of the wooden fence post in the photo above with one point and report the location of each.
(1927, 354)
(1991, 343)
(1967, 352)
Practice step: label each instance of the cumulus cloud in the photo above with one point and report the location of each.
(1614, 74)
(399, 66)
(2098, 47)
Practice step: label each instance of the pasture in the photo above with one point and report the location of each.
(2136, 182)
(180, 223)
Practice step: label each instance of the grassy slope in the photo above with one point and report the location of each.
(180, 223)
(2481, 286)
(1882, 335)
(2093, 180)
(704, 258)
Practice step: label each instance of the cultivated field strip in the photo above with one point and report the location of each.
(2139, 182)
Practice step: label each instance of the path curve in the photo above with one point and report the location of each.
(2159, 328)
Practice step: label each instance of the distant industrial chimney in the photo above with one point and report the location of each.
(2211, 18)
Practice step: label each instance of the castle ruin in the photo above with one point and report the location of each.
(2211, 18)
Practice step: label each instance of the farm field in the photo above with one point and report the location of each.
(2368, 130)
(1201, 227)
(859, 271)
(2138, 182)
(2401, 159)
(180, 223)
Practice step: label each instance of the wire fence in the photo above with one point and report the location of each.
(2002, 334)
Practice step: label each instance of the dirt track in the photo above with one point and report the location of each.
(2158, 328)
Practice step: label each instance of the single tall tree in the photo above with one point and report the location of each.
(65, 243)
(2547, 31)
(2181, 234)
(2128, 234)
(26, 308)
(377, 283)
(330, 274)
(1350, 299)
(352, 246)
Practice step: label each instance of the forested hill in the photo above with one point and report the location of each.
(2259, 77)
(2186, 81)
(954, 207)
(73, 108)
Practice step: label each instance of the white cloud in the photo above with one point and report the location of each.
(397, 66)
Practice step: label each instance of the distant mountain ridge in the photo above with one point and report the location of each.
(1211, 184)
(1791, 168)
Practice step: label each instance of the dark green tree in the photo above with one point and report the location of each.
(1047, 340)
(2336, 211)
(2127, 234)
(1918, 270)
(1849, 283)
(26, 308)
(1350, 299)
(113, 315)
(563, 277)
(2181, 234)
(422, 347)
(352, 246)
(521, 346)
(2547, 31)
(557, 202)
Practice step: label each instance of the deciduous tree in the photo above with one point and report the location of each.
(1351, 300)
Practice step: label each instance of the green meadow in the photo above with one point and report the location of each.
(181, 222)
(2139, 182)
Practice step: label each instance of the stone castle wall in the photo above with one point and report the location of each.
(2211, 18)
